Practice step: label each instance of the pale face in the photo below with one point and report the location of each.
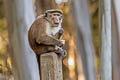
(55, 18)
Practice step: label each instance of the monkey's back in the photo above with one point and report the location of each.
(37, 26)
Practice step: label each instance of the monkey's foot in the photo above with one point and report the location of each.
(61, 52)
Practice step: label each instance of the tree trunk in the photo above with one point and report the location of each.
(43, 5)
(105, 23)
(116, 39)
(84, 39)
(20, 15)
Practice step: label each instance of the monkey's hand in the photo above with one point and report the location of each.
(63, 43)
(60, 33)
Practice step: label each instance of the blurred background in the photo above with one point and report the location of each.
(91, 38)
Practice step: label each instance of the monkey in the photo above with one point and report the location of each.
(45, 33)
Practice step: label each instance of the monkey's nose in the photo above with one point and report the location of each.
(56, 21)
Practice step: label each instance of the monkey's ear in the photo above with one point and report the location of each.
(45, 14)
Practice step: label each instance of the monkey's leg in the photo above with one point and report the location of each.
(49, 40)
(42, 49)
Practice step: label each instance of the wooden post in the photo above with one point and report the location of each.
(51, 67)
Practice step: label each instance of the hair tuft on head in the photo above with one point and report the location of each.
(54, 10)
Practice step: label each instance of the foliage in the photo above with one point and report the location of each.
(3, 40)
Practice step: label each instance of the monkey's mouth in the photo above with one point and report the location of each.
(56, 24)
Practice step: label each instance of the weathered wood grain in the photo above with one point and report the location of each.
(51, 66)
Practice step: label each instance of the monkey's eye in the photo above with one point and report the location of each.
(58, 14)
(54, 14)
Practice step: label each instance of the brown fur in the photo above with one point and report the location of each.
(39, 41)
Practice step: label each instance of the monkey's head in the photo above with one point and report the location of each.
(54, 16)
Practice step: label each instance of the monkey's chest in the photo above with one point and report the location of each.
(52, 30)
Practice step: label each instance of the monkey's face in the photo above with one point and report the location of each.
(55, 18)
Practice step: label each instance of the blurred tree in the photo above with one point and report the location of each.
(116, 39)
(106, 47)
(43, 5)
(20, 15)
(2, 12)
(84, 39)
(3, 40)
